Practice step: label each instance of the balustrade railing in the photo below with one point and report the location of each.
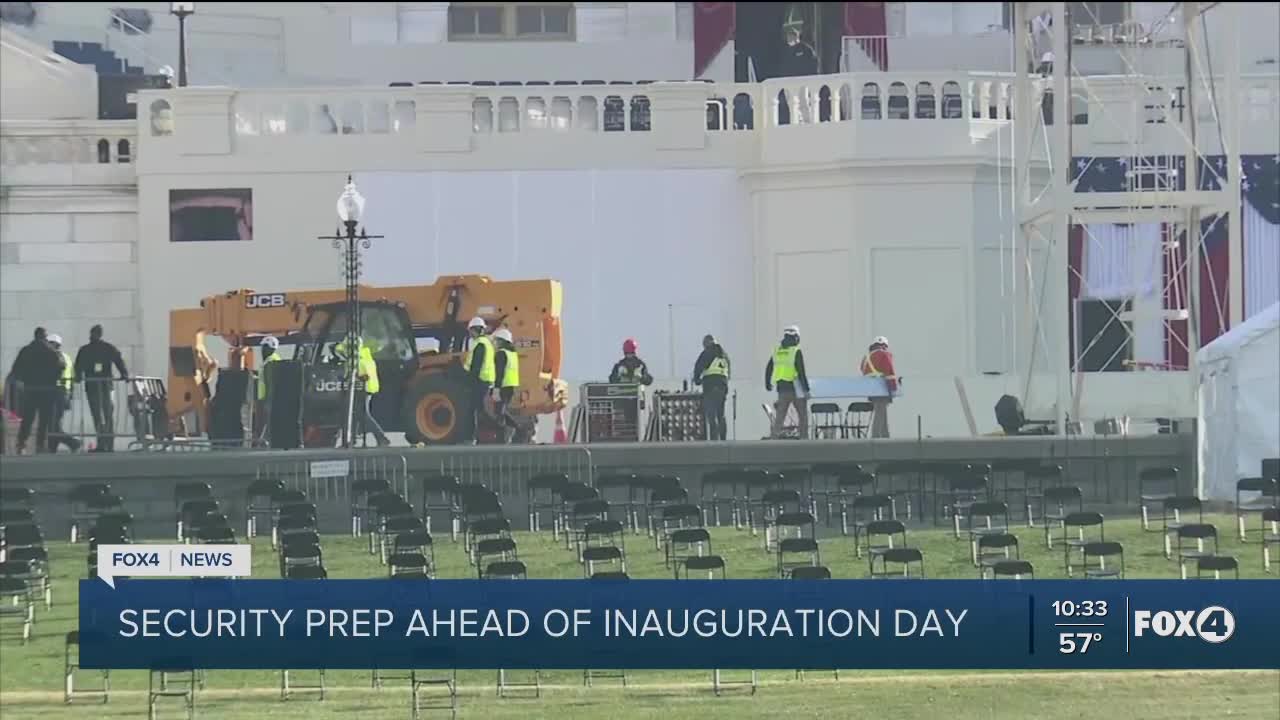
(68, 142)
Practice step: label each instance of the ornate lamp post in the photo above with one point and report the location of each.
(349, 241)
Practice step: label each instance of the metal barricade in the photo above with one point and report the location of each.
(508, 472)
(98, 414)
(331, 479)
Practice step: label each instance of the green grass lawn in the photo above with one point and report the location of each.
(31, 675)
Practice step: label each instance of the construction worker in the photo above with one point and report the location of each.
(507, 367)
(482, 365)
(630, 370)
(93, 368)
(38, 369)
(786, 371)
(270, 347)
(711, 371)
(878, 362)
(366, 370)
(61, 400)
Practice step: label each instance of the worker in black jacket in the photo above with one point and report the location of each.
(93, 368)
(711, 371)
(37, 370)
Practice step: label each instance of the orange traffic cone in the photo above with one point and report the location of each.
(561, 435)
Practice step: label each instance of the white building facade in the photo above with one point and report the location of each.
(667, 210)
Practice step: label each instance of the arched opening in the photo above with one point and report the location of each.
(846, 102)
(782, 108)
(870, 101)
(899, 103)
(744, 115)
(508, 115)
(535, 111)
(952, 102)
(161, 118)
(926, 103)
(104, 151)
(122, 151)
(824, 104)
(588, 114)
(615, 114)
(641, 114)
(561, 113)
(482, 115)
(405, 115)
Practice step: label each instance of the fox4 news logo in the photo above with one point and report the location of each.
(1214, 624)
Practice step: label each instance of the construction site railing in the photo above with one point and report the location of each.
(96, 414)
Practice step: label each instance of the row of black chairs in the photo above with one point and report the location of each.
(24, 564)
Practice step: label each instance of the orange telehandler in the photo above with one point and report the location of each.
(426, 396)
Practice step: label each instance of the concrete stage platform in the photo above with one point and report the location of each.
(1105, 468)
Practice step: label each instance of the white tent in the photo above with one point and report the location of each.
(1239, 415)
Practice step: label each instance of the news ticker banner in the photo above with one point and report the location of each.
(635, 624)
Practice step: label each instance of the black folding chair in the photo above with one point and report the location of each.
(544, 492)
(1254, 495)
(856, 514)
(963, 492)
(897, 563)
(1155, 485)
(675, 517)
(1056, 503)
(1200, 533)
(810, 572)
(1102, 551)
(483, 530)
(259, 502)
(1171, 511)
(661, 498)
(686, 542)
(70, 664)
(362, 492)
(1080, 523)
(82, 499)
(804, 544)
(1012, 568)
(991, 550)
(440, 496)
(185, 492)
(1217, 564)
(990, 517)
(1270, 520)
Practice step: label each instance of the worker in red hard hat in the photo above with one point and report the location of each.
(878, 362)
(630, 370)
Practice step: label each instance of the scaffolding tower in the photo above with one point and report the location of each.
(1170, 193)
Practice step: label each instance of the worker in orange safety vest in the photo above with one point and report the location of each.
(878, 362)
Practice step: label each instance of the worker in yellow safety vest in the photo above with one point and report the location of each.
(786, 371)
(62, 402)
(507, 369)
(878, 362)
(482, 365)
(366, 371)
(270, 347)
(711, 372)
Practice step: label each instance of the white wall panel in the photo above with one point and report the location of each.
(654, 255)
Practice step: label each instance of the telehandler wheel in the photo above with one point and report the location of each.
(438, 411)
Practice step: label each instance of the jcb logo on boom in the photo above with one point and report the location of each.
(264, 300)
(1214, 624)
(329, 386)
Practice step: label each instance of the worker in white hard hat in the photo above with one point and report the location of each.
(878, 362)
(61, 400)
(480, 362)
(507, 369)
(786, 371)
(270, 347)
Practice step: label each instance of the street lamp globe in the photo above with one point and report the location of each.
(182, 8)
(350, 204)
